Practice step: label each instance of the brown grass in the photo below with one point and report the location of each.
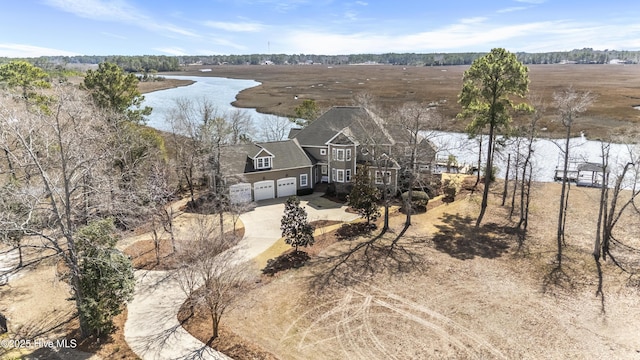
(616, 89)
(150, 86)
(446, 290)
(112, 346)
(228, 342)
(143, 255)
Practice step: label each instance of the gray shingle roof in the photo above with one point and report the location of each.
(361, 124)
(237, 159)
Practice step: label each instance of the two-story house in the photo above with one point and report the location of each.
(328, 150)
(345, 136)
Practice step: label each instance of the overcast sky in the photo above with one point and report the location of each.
(203, 27)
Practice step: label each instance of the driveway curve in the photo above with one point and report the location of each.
(152, 329)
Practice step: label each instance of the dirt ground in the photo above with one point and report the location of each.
(31, 318)
(283, 87)
(446, 290)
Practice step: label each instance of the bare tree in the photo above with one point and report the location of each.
(614, 202)
(240, 126)
(416, 125)
(237, 209)
(211, 274)
(377, 145)
(64, 145)
(569, 103)
(191, 123)
(274, 128)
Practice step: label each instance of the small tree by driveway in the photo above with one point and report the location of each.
(295, 227)
(364, 196)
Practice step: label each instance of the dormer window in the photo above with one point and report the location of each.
(263, 163)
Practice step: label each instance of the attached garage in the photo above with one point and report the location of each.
(263, 190)
(240, 193)
(286, 187)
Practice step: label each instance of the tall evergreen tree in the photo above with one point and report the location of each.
(486, 98)
(114, 90)
(295, 227)
(24, 76)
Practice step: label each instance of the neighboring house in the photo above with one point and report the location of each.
(327, 150)
(267, 170)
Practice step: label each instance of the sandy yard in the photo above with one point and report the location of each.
(443, 290)
(438, 293)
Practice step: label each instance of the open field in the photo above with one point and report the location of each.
(446, 290)
(616, 86)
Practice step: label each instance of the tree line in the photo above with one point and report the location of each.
(161, 63)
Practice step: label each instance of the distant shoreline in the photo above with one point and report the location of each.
(151, 86)
(283, 87)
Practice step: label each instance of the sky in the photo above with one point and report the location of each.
(31, 28)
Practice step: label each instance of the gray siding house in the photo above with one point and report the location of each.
(267, 170)
(346, 136)
(328, 150)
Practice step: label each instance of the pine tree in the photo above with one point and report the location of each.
(295, 227)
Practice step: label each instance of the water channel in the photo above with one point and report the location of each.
(547, 154)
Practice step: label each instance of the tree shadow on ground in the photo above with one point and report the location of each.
(458, 237)
(382, 254)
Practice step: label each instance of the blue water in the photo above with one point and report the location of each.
(220, 92)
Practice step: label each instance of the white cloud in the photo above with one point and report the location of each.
(116, 36)
(118, 11)
(531, 1)
(362, 3)
(229, 44)
(23, 50)
(473, 20)
(235, 26)
(97, 9)
(351, 15)
(512, 9)
(469, 35)
(172, 51)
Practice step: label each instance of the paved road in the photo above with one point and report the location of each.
(152, 329)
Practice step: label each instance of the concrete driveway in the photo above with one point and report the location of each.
(262, 225)
(152, 329)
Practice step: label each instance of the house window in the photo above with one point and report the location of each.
(333, 174)
(323, 151)
(324, 169)
(303, 180)
(348, 175)
(340, 154)
(333, 153)
(340, 176)
(348, 154)
(387, 179)
(263, 163)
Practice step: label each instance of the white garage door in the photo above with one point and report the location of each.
(286, 187)
(240, 193)
(263, 190)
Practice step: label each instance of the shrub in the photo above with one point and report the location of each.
(451, 188)
(303, 192)
(419, 201)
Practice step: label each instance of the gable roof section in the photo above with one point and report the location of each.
(341, 139)
(238, 159)
(364, 126)
(287, 154)
(262, 153)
